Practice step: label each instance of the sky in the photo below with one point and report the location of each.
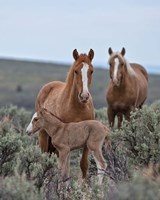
(49, 30)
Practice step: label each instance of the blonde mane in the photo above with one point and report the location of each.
(130, 70)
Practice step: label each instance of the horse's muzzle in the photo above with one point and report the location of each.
(116, 83)
(83, 97)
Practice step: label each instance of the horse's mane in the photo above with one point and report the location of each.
(130, 70)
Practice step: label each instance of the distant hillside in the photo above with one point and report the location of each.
(20, 82)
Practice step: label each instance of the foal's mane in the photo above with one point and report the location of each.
(55, 116)
(81, 58)
(130, 70)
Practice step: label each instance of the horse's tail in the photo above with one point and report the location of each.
(107, 141)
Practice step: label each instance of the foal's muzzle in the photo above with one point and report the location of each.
(83, 97)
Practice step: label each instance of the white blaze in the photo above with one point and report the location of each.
(29, 127)
(84, 71)
(116, 63)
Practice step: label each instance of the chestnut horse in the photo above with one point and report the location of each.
(127, 88)
(70, 101)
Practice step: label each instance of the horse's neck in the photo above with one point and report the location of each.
(129, 70)
(70, 93)
(128, 77)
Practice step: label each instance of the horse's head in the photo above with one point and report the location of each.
(83, 70)
(116, 62)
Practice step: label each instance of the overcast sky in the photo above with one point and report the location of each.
(50, 30)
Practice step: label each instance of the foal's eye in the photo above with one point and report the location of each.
(35, 119)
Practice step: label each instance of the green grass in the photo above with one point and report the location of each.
(31, 76)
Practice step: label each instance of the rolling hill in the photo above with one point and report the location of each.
(20, 81)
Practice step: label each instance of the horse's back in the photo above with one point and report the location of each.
(140, 69)
(142, 83)
(48, 93)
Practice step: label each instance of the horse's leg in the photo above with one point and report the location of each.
(127, 113)
(111, 116)
(43, 140)
(84, 162)
(120, 118)
(100, 162)
(51, 148)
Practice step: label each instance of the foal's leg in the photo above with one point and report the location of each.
(84, 162)
(100, 162)
(63, 166)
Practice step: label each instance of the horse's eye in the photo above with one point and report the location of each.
(122, 64)
(91, 72)
(75, 72)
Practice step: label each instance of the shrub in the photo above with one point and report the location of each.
(138, 189)
(141, 136)
(18, 188)
(10, 145)
(101, 115)
(17, 117)
(36, 165)
(26, 173)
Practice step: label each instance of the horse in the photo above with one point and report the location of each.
(127, 88)
(66, 137)
(71, 100)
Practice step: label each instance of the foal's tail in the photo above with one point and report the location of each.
(107, 141)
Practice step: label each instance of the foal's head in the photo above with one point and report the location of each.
(38, 121)
(116, 62)
(83, 70)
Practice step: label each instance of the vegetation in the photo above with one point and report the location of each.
(20, 82)
(133, 170)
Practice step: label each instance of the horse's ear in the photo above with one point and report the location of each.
(75, 54)
(123, 51)
(91, 54)
(110, 51)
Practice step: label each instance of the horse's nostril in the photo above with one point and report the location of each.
(84, 96)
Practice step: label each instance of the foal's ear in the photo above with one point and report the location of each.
(42, 111)
(75, 54)
(91, 54)
(110, 51)
(123, 51)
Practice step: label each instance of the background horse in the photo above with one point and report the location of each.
(127, 88)
(70, 101)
